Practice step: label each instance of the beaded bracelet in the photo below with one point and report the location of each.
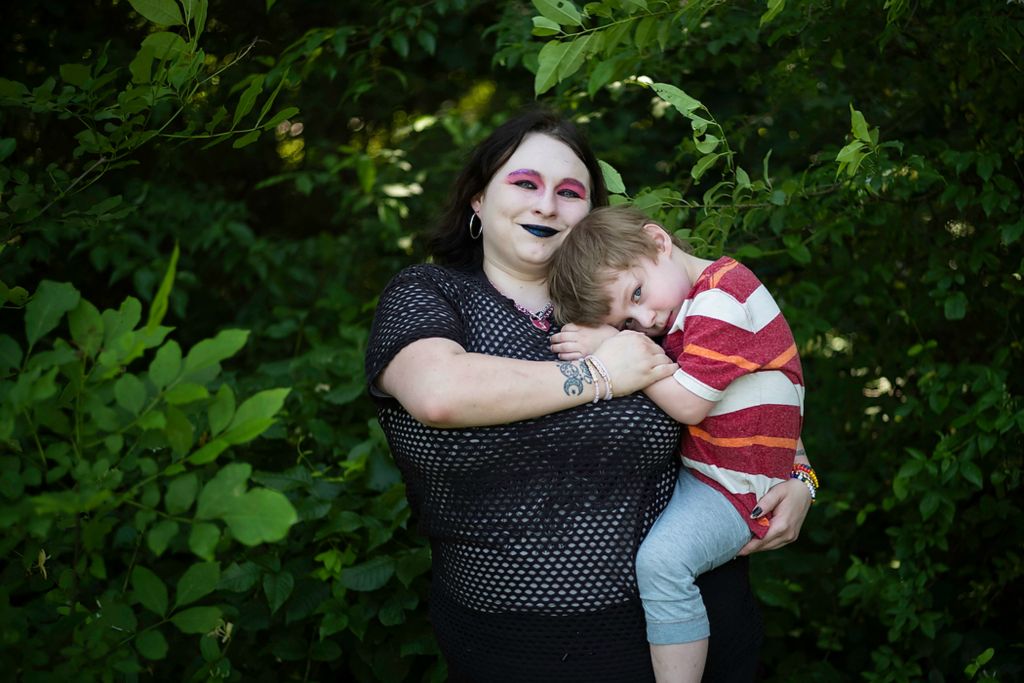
(608, 394)
(807, 475)
(594, 376)
(808, 470)
(601, 371)
(806, 480)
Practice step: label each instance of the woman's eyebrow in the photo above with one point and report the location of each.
(526, 172)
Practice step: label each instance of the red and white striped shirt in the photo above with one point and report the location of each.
(734, 347)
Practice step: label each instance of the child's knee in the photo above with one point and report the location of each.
(655, 563)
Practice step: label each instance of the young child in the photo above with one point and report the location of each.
(739, 386)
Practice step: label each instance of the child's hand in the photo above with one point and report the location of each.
(576, 341)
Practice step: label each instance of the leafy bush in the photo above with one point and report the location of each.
(864, 160)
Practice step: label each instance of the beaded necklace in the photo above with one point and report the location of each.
(541, 319)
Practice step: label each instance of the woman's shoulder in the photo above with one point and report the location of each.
(432, 274)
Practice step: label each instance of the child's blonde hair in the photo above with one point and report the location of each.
(607, 241)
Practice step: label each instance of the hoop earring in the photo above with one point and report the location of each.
(479, 231)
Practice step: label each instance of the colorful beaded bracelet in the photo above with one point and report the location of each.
(808, 470)
(801, 474)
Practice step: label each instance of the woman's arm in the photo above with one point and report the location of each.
(789, 503)
(443, 385)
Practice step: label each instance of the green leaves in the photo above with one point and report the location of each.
(46, 308)
(255, 516)
(150, 590)
(197, 582)
(210, 352)
(560, 12)
(858, 149)
(160, 12)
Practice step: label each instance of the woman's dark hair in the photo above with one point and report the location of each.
(451, 244)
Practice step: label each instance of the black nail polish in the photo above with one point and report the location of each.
(755, 513)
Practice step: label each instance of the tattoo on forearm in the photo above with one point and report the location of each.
(576, 375)
(801, 453)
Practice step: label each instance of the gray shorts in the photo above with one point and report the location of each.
(698, 531)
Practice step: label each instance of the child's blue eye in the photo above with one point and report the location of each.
(636, 293)
(526, 184)
(571, 194)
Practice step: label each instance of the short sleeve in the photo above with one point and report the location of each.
(421, 302)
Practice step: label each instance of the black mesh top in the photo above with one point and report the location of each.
(534, 525)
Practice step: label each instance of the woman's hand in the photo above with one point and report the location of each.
(576, 341)
(788, 502)
(634, 361)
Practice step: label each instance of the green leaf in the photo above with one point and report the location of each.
(75, 74)
(203, 539)
(646, 32)
(221, 410)
(86, 326)
(150, 590)
(260, 516)
(179, 431)
(166, 365)
(246, 140)
(369, 575)
(542, 26)
(413, 564)
(151, 644)
(708, 144)
(972, 473)
(956, 306)
(220, 492)
(165, 46)
(181, 493)
(7, 147)
(158, 309)
(160, 12)
(197, 582)
(130, 393)
(578, 50)
(186, 392)
(117, 323)
(612, 178)
(702, 166)
(211, 351)
(778, 197)
(159, 537)
(277, 587)
(859, 126)
(548, 61)
(248, 99)
(685, 104)
(200, 620)
(929, 504)
(208, 452)
(10, 354)
(774, 7)
(280, 116)
(562, 12)
(255, 415)
(47, 306)
(742, 179)
(400, 44)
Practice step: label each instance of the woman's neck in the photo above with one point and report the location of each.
(529, 290)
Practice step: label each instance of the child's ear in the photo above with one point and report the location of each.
(661, 238)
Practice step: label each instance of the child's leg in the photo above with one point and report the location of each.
(698, 531)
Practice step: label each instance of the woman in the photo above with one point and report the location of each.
(535, 493)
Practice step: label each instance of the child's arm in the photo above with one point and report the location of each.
(680, 403)
(576, 341)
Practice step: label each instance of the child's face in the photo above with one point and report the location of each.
(647, 297)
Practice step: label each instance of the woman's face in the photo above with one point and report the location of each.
(531, 202)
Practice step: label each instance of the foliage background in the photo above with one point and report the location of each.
(865, 158)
